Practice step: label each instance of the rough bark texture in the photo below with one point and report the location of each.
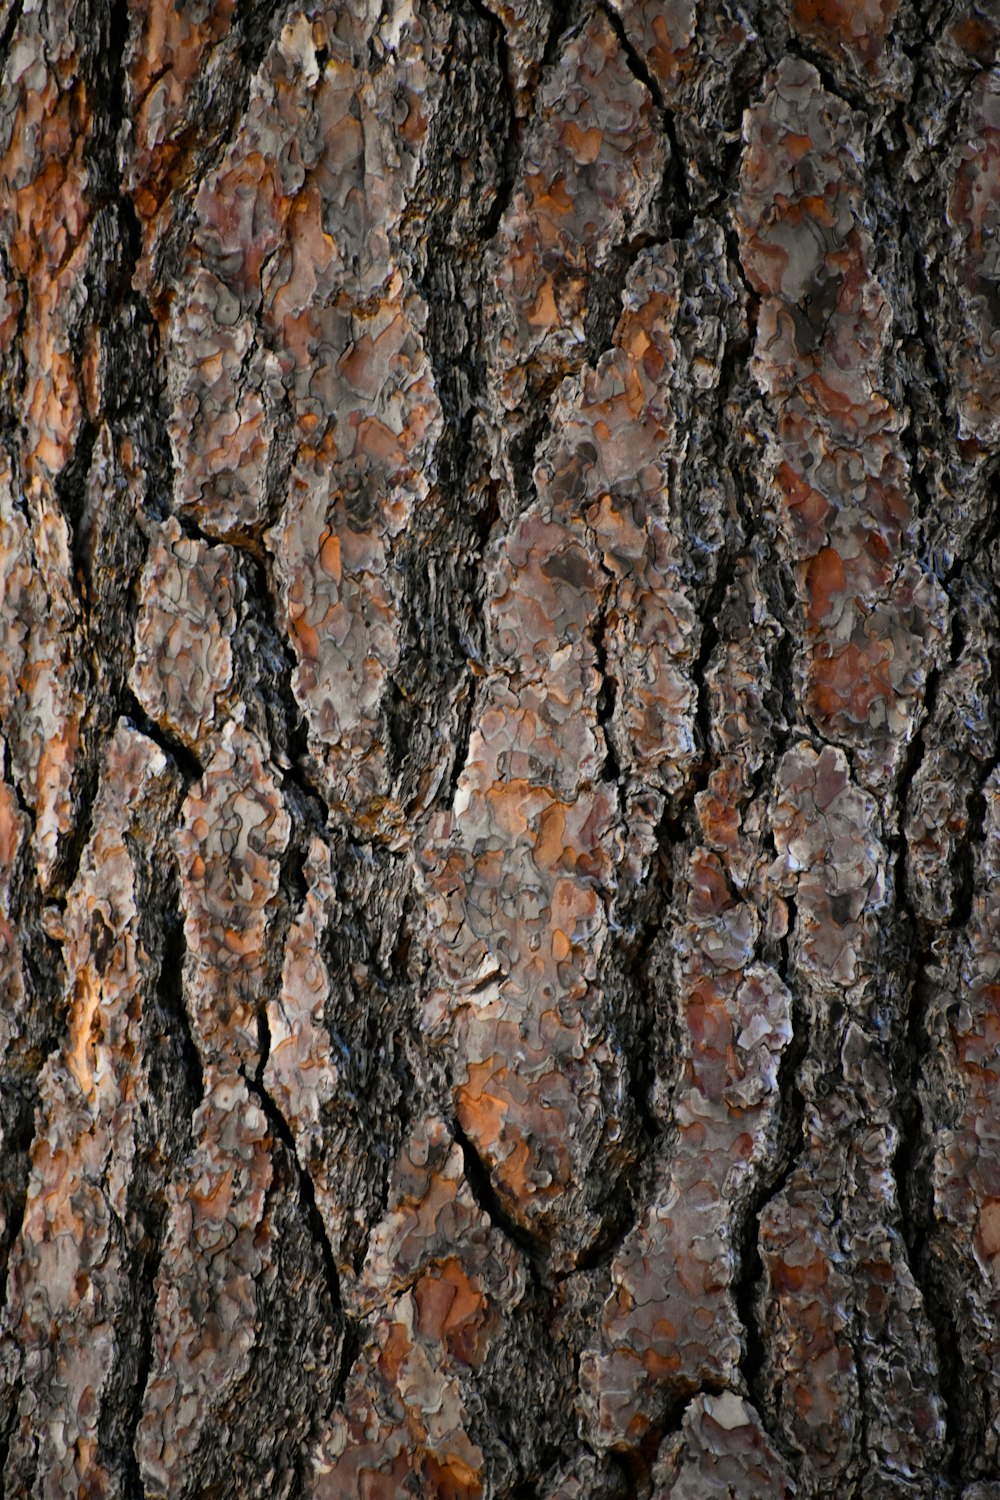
(499, 691)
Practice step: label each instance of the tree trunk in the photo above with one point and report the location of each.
(500, 829)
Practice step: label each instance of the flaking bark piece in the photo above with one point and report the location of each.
(296, 227)
(41, 678)
(352, 496)
(180, 61)
(235, 829)
(670, 1323)
(437, 1284)
(526, 24)
(584, 1478)
(722, 1450)
(302, 332)
(843, 1310)
(840, 1297)
(827, 835)
(182, 673)
(77, 1265)
(957, 735)
(588, 592)
(46, 225)
(862, 41)
(621, 433)
(812, 1365)
(592, 161)
(14, 834)
(964, 1092)
(519, 877)
(302, 1075)
(972, 265)
(226, 398)
(873, 619)
(239, 1287)
(971, 35)
(701, 59)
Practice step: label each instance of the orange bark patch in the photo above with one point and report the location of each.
(451, 1480)
(482, 1112)
(584, 144)
(860, 24)
(848, 682)
(451, 1310)
(825, 578)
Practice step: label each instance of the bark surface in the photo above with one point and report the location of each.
(499, 705)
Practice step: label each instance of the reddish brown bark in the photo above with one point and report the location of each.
(499, 835)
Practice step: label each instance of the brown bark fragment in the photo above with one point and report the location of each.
(523, 869)
(307, 254)
(592, 161)
(836, 465)
(40, 679)
(671, 1324)
(721, 1449)
(183, 667)
(840, 1294)
(44, 227)
(351, 497)
(234, 832)
(218, 1244)
(972, 216)
(699, 58)
(857, 38)
(80, 1244)
(437, 1282)
(302, 1075)
(173, 53)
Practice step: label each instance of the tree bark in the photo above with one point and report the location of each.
(500, 818)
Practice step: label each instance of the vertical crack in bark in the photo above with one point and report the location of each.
(171, 998)
(145, 1323)
(13, 16)
(481, 1187)
(747, 1287)
(150, 1205)
(973, 840)
(511, 157)
(44, 982)
(307, 1193)
(929, 444)
(675, 197)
